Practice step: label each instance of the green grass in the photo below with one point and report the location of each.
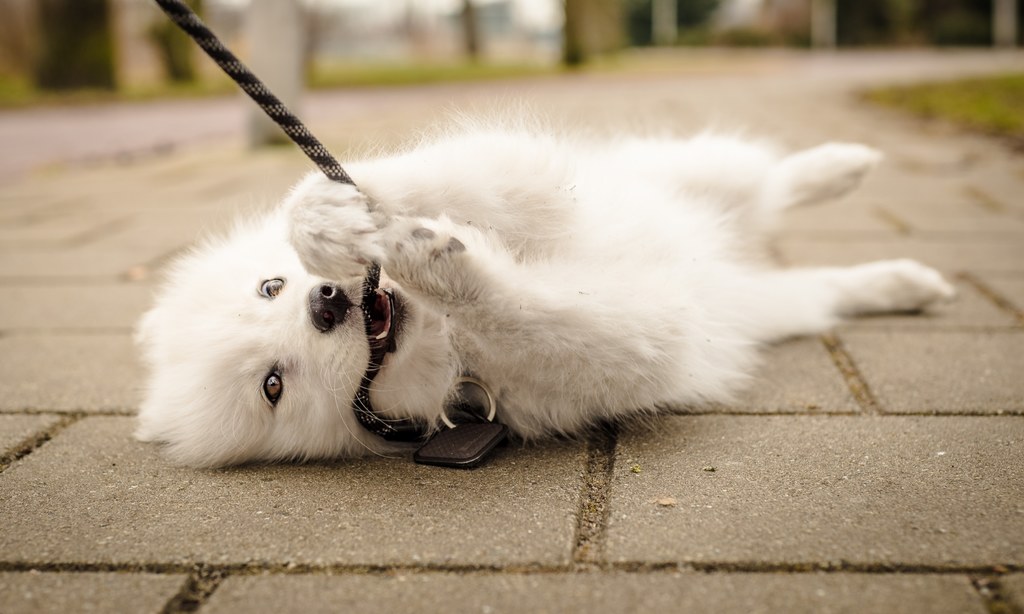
(18, 92)
(994, 105)
(336, 75)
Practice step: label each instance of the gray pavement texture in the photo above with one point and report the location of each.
(879, 468)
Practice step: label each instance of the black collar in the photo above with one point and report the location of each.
(392, 429)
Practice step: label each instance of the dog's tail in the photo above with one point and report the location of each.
(817, 175)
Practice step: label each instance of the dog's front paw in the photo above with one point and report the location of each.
(333, 229)
(425, 255)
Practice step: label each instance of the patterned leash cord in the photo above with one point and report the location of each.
(186, 19)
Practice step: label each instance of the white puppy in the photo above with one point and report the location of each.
(579, 281)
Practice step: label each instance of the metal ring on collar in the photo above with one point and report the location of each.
(492, 406)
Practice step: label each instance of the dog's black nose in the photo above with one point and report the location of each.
(327, 306)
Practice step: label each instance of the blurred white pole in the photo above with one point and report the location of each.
(823, 24)
(664, 29)
(274, 32)
(1004, 23)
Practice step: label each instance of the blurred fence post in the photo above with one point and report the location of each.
(664, 22)
(274, 35)
(1004, 23)
(823, 24)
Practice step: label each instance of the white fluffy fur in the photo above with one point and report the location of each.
(597, 281)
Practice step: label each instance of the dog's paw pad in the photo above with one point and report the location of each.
(455, 246)
(423, 233)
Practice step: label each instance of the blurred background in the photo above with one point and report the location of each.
(72, 71)
(128, 47)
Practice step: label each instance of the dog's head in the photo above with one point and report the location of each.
(252, 358)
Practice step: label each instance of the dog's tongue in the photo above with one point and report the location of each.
(378, 310)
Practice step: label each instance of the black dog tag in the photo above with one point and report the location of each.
(462, 447)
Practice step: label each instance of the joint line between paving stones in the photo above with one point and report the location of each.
(1000, 301)
(95, 234)
(92, 413)
(984, 200)
(990, 591)
(197, 589)
(45, 213)
(837, 567)
(901, 227)
(851, 374)
(67, 330)
(36, 441)
(50, 281)
(944, 330)
(205, 577)
(595, 495)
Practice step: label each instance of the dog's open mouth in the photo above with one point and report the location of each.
(380, 315)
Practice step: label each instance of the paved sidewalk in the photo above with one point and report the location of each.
(879, 468)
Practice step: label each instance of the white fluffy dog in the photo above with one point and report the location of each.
(579, 281)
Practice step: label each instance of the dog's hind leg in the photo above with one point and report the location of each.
(817, 175)
(804, 301)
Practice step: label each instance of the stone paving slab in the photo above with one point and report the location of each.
(58, 593)
(805, 489)
(996, 254)
(941, 372)
(74, 227)
(93, 495)
(81, 263)
(796, 376)
(95, 306)
(166, 230)
(32, 202)
(837, 217)
(899, 184)
(1013, 589)
(17, 429)
(957, 218)
(69, 372)
(1002, 184)
(1009, 287)
(425, 593)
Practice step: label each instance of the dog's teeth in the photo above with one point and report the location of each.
(382, 335)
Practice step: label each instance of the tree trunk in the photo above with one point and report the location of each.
(470, 30)
(175, 48)
(76, 50)
(573, 47)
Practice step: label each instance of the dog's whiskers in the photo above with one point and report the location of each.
(326, 379)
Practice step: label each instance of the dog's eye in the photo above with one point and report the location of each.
(272, 388)
(271, 287)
